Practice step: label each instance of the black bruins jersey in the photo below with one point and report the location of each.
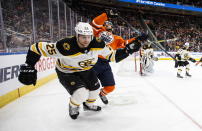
(71, 58)
(183, 54)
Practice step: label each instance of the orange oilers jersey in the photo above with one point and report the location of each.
(115, 41)
(97, 24)
(119, 42)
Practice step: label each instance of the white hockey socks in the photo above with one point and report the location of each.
(79, 96)
(93, 95)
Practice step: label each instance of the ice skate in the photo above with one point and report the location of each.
(179, 76)
(91, 107)
(103, 98)
(187, 74)
(73, 112)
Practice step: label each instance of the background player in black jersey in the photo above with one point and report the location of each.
(183, 57)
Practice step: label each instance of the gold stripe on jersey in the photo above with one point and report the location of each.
(33, 48)
(41, 49)
(95, 49)
(71, 68)
(58, 62)
(77, 54)
(76, 70)
(108, 57)
(111, 57)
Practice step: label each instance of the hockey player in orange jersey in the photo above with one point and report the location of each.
(103, 29)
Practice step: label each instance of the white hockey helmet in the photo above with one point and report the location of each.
(186, 44)
(83, 28)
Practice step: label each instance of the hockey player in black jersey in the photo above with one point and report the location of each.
(75, 58)
(183, 57)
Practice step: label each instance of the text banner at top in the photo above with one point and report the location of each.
(160, 4)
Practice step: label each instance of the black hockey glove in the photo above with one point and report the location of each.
(136, 44)
(133, 47)
(28, 75)
(192, 60)
(111, 13)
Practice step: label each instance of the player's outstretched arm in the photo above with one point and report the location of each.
(28, 73)
(130, 48)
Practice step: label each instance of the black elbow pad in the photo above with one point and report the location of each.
(32, 58)
(121, 54)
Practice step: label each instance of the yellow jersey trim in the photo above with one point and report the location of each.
(40, 48)
(33, 48)
(95, 49)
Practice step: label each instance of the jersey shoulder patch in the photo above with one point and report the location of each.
(67, 46)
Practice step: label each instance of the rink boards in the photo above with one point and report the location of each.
(10, 87)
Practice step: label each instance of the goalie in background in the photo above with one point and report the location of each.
(200, 61)
(103, 29)
(147, 59)
(183, 57)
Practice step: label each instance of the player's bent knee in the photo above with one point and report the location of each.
(80, 95)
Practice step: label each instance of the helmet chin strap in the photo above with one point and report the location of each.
(77, 37)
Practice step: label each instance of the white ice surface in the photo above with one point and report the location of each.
(158, 102)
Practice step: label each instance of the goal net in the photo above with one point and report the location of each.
(130, 66)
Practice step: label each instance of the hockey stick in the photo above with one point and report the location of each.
(152, 37)
(147, 29)
(168, 40)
